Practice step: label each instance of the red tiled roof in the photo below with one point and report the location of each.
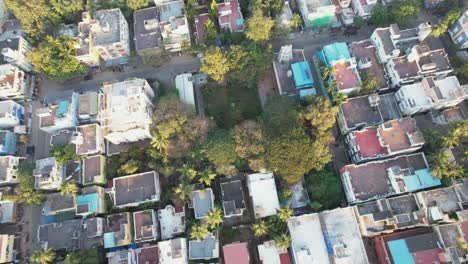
(233, 13)
(345, 76)
(200, 26)
(284, 258)
(236, 254)
(365, 50)
(464, 228)
(369, 144)
(149, 255)
(427, 256)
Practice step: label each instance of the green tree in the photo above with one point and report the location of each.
(462, 71)
(359, 21)
(402, 10)
(324, 189)
(443, 167)
(441, 28)
(137, 4)
(379, 15)
(249, 62)
(283, 241)
(250, 144)
(64, 153)
(84, 256)
(206, 177)
(213, 12)
(199, 231)
(209, 31)
(216, 64)
(318, 117)
(369, 84)
(258, 27)
(129, 167)
(24, 191)
(190, 11)
(214, 218)
(260, 228)
(69, 10)
(43, 256)
(68, 188)
(188, 172)
(184, 191)
(55, 58)
(284, 213)
(221, 151)
(328, 72)
(296, 21)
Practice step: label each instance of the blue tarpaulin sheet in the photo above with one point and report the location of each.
(400, 252)
(302, 74)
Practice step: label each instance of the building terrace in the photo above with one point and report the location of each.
(208, 248)
(367, 62)
(58, 203)
(232, 197)
(147, 31)
(262, 188)
(172, 221)
(88, 140)
(135, 189)
(94, 170)
(8, 169)
(173, 251)
(203, 202)
(145, 224)
(118, 231)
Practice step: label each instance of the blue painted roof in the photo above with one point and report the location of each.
(302, 74)
(239, 21)
(335, 52)
(420, 180)
(305, 92)
(400, 252)
(109, 240)
(92, 199)
(62, 107)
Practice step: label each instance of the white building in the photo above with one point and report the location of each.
(11, 114)
(363, 8)
(8, 169)
(173, 251)
(262, 189)
(127, 111)
(269, 253)
(184, 84)
(48, 174)
(132, 190)
(88, 140)
(107, 35)
(7, 250)
(317, 13)
(459, 31)
(391, 41)
(430, 94)
(172, 221)
(59, 116)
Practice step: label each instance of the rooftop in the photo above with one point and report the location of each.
(270, 254)
(147, 32)
(359, 112)
(88, 104)
(283, 73)
(365, 54)
(170, 9)
(145, 225)
(12, 44)
(445, 199)
(335, 52)
(378, 179)
(203, 202)
(173, 251)
(431, 60)
(237, 253)
(300, 197)
(262, 188)
(134, 189)
(346, 76)
(56, 203)
(207, 248)
(230, 13)
(61, 137)
(172, 221)
(94, 169)
(6, 163)
(88, 139)
(7, 212)
(118, 230)
(232, 197)
(200, 21)
(404, 68)
(148, 254)
(302, 74)
(106, 26)
(423, 248)
(91, 201)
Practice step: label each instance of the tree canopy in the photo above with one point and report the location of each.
(55, 58)
(25, 192)
(221, 151)
(258, 27)
(137, 4)
(370, 84)
(379, 15)
(64, 153)
(402, 10)
(44, 256)
(84, 256)
(216, 64)
(446, 23)
(324, 189)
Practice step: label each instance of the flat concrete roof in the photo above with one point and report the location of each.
(136, 188)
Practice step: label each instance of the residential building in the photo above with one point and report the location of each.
(88, 107)
(262, 189)
(57, 203)
(48, 174)
(121, 256)
(453, 238)
(232, 197)
(391, 41)
(394, 137)
(346, 15)
(172, 221)
(293, 74)
(14, 51)
(145, 225)
(337, 52)
(127, 111)
(173, 26)
(94, 170)
(363, 8)
(88, 140)
(412, 246)
(7, 212)
(378, 179)
(203, 202)
(118, 230)
(366, 111)
(106, 35)
(14, 82)
(184, 84)
(236, 253)
(269, 253)
(208, 248)
(317, 13)
(173, 251)
(8, 141)
(76, 234)
(7, 248)
(10, 29)
(420, 62)
(60, 115)
(367, 63)
(62, 137)
(459, 31)
(148, 254)
(147, 32)
(91, 201)
(132, 190)
(346, 76)
(199, 33)
(8, 169)
(429, 94)
(391, 214)
(329, 237)
(230, 16)
(11, 114)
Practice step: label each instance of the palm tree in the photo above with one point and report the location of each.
(284, 213)
(198, 231)
(283, 241)
(184, 191)
(328, 72)
(43, 256)
(159, 142)
(206, 177)
(260, 228)
(214, 217)
(187, 172)
(68, 188)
